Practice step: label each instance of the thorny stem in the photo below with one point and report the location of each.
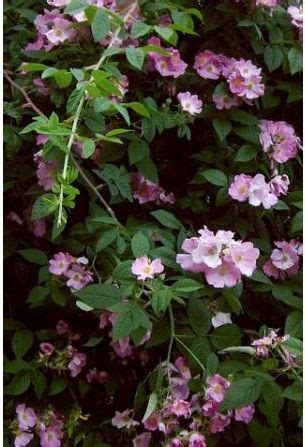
(78, 167)
(76, 120)
(73, 133)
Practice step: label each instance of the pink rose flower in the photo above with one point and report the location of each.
(121, 420)
(244, 414)
(143, 268)
(225, 275)
(142, 440)
(217, 387)
(196, 440)
(46, 348)
(190, 103)
(26, 417)
(60, 263)
(23, 438)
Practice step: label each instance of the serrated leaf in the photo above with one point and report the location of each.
(151, 406)
(215, 176)
(19, 384)
(135, 56)
(100, 296)
(223, 127)
(167, 219)
(100, 25)
(35, 256)
(241, 393)
(199, 317)
(273, 57)
(22, 342)
(139, 245)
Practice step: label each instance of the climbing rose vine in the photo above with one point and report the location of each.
(153, 223)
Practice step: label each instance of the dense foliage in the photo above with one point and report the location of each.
(153, 222)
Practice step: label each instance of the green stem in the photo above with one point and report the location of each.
(190, 352)
(77, 117)
(171, 342)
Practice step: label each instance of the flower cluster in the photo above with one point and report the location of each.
(52, 30)
(221, 258)
(273, 344)
(200, 413)
(243, 78)
(284, 260)
(169, 65)
(69, 358)
(279, 140)
(190, 103)
(48, 426)
(257, 191)
(71, 268)
(146, 191)
(143, 268)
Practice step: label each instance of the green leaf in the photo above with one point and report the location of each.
(100, 296)
(223, 127)
(273, 57)
(139, 108)
(106, 239)
(137, 151)
(167, 34)
(285, 294)
(246, 153)
(139, 29)
(88, 148)
(295, 58)
(226, 336)
(35, 256)
(294, 345)
(261, 277)
(135, 56)
(167, 219)
(15, 366)
(242, 117)
(198, 316)
(297, 222)
(33, 67)
(272, 402)
(201, 348)
(63, 78)
(20, 383)
(57, 386)
(186, 285)
(100, 25)
(39, 382)
(75, 7)
(241, 393)
(123, 326)
(151, 406)
(139, 245)
(44, 206)
(294, 324)
(247, 133)
(122, 271)
(215, 176)
(160, 300)
(22, 342)
(294, 391)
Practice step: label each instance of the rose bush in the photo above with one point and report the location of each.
(153, 218)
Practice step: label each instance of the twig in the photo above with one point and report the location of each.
(78, 167)
(24, 93)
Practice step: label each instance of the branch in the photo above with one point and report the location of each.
(78, 167)
(24, 93)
